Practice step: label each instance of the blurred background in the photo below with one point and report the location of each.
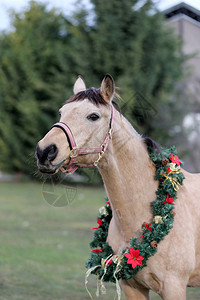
(152, 50)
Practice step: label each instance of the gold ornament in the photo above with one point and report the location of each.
(158, 220)
(103, 211)
(174, 167)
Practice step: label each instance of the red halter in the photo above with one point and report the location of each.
(75, 151)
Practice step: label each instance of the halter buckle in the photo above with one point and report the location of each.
(73, 153)
(98, 159)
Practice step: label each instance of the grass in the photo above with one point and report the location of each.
(43, 248)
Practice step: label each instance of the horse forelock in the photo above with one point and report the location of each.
(92, 94)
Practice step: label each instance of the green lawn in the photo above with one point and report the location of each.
(43, 248)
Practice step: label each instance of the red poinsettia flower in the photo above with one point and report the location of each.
(108, 202)
(99, 221)
(148, 226)
(168, 170)
(109, 261)
(175, 159)
(97, 250)
(168, 200)
(134, 258)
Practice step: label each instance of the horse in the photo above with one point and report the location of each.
(106, 140)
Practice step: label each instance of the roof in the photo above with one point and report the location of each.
(182, 8)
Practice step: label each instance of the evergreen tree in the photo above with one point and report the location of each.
(134, 44)
(36, 72)
(42, 56)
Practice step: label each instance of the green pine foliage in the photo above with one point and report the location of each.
(35, 72)
(154, 232)
(134, 44)
(43, 54)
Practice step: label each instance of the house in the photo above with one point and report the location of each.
(185, 20)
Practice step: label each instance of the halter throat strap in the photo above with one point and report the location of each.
(75, 151)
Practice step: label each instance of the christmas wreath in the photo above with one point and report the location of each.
(110, 267)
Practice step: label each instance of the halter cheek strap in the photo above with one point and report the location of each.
(75, 151)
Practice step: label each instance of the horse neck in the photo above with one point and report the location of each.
(128, 175)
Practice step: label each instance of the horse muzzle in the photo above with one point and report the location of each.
(45, 157)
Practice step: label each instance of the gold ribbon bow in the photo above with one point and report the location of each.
(117, 259)
(173, 181)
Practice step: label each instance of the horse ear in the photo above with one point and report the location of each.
(79, 85)
(107, 88)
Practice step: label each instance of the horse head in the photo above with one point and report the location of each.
(81, 136)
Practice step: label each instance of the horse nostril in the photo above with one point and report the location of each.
(48, 154)
(52, 153)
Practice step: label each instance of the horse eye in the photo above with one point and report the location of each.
(93, 117)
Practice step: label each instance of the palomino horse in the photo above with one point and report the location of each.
(128, 175)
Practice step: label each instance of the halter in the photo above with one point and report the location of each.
(75, 151)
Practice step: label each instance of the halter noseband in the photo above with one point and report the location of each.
(75, 151)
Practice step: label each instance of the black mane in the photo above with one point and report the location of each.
(151, 144)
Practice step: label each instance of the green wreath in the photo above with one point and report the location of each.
(110, 267)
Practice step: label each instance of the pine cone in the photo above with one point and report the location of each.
(173, 212)
(154, 244)
(165, 161)
(144, 224)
